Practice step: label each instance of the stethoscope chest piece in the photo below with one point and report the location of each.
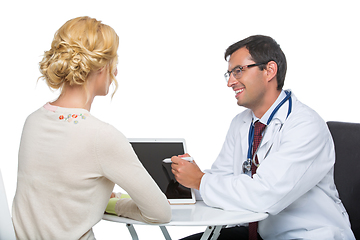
(247, 165)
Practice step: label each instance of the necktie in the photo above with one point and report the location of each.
(259, 128)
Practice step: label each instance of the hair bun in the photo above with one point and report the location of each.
(80, 46)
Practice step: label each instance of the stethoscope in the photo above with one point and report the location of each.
(250, 159)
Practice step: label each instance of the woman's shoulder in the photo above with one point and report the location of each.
(108, 132)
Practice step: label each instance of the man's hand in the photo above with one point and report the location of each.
(186, 173)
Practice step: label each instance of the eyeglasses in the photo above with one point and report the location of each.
(237, 71)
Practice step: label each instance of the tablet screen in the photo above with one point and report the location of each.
(151, 154)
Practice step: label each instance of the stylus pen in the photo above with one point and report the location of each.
(168, 160)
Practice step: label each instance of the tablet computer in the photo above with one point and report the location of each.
(151, 153)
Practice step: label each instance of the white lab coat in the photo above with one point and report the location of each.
(294, 182)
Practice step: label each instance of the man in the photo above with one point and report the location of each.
(290, 175)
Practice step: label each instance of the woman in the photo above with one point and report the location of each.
(68, 159)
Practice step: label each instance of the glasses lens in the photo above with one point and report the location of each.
(227, 76)
(237, 72)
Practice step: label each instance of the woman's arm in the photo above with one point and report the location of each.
(120, 165)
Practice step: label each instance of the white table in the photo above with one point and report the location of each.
(195, 215)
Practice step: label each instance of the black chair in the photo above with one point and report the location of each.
(346, 138)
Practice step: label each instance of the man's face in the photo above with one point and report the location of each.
(251, 87)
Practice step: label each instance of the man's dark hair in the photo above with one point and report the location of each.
(262, 50)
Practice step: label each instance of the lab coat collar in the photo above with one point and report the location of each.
(282, 114)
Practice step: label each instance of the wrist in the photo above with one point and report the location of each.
(199, 182)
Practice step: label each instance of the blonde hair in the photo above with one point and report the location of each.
(80, 46)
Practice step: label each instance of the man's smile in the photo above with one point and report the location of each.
(238, 92)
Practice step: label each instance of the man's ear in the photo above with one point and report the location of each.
(271, 70)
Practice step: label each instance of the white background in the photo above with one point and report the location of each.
(171, 69)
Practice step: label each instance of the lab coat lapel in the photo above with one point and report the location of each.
(244, 131)
(272, 130)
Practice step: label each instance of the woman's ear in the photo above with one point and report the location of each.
(106, 67)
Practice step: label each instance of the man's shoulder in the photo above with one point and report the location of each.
(304, 117)
(305, 112)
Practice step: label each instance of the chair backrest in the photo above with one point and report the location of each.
(346, 138)
(6, 226)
